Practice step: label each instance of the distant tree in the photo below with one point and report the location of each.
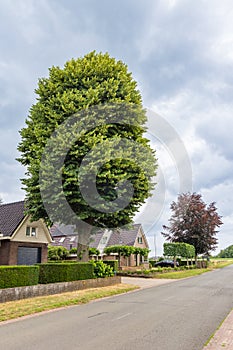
(95, 80)
(183, 250)
(226, 253)
(193, 222)
(1, 201)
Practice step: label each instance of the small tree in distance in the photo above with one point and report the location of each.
(226, 253)
(193, 222)
(183, 250)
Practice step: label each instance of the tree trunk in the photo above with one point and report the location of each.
(84, 235)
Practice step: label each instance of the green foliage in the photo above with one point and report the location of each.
(94, 251)
(102, 270)
(57, 253)
(65, 272)
(94, 80)
(226, 253)
(17, 276)
(73, 251)
(125, 250)
(113, 263)
(179, 249)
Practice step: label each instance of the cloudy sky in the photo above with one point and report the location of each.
(181, 54)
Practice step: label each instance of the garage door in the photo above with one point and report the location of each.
(28, 255)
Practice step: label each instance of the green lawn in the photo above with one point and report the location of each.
(214, 264)
(181, 274)
(15, 309)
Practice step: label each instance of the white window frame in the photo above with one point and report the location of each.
(31, 231)
(140, 241)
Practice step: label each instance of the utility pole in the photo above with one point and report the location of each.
(155, 244)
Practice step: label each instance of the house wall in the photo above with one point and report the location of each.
(9, 251)
(41, 232)
(4, 252)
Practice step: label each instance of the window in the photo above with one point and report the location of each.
(61, 240)
(103, 240)
(30, 231)
(140, 240)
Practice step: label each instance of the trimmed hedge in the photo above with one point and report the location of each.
(112, 263)
(18, 276)
(65, 272)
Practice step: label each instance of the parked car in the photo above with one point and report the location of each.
(166, 263)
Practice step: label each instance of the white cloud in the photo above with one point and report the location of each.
(180, 53)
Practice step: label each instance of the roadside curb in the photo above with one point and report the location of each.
(223, 337)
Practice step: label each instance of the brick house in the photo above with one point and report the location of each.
(22, 242)
(65, 236)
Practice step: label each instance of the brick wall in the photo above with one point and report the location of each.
(9, 251)
(10, 294)
(4, 252)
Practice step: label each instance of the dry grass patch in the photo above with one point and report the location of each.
(15, 309)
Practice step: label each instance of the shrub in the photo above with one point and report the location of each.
(73, 251)
(113, 263)
(65, 272)
(18, 276)
(101, 269)
(94, 251)
(57, 253)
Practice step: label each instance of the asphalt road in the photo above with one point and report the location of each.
(177, 316)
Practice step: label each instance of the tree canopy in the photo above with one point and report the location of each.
(226, 253)
(184, 250)
(193, 222)
(126, 251)
(83, 145)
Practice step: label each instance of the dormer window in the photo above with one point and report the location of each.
(31, 231)
(103, 240)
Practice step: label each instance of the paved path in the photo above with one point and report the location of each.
(145, 282)
(174, 316)
(223, 338)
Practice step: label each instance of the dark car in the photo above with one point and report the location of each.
(166, 263)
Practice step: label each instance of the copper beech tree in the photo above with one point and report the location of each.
(193, 222)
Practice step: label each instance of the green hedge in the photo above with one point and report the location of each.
(65, 272)
(18, 276)
(112, 263)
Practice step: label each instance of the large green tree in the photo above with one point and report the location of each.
(193, 222)
(88, 163)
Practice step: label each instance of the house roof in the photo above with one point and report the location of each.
(11, 215)
(124, 236)
(63, 235)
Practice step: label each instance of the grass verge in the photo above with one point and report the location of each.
(181, 274)
(195, 272)
(19, 308)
